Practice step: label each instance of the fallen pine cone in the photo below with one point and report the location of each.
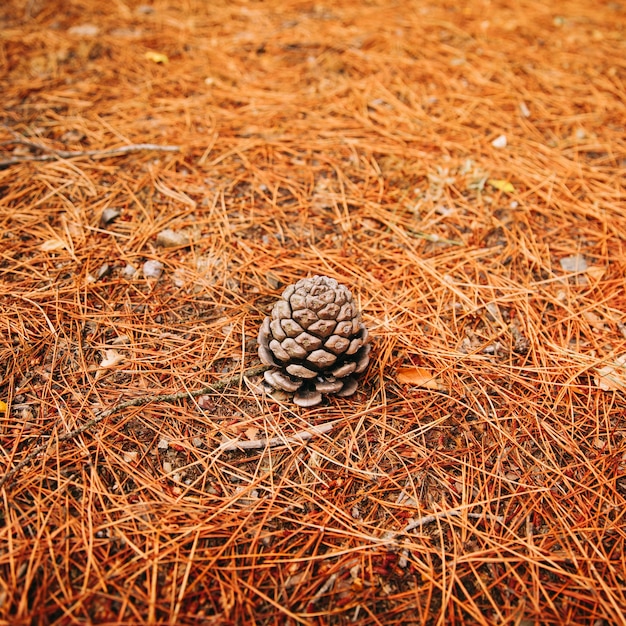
(314, 341)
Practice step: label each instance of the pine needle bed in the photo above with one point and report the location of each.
(168, 168)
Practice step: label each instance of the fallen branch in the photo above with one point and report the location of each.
(390, 537)
(299, 437)
(428, 519)
(70, 154)
(324, 589)
(433, 238)
(140, 401)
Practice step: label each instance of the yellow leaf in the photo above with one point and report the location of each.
(156, 57)
(502, 185)
(3, 406)
(419, 376)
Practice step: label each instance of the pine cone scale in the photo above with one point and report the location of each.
(297, 370)
(322, 328)
(305, 317)
(337, 344)
(291, 328)
(276, 329)
(309, 341)
(329, 312)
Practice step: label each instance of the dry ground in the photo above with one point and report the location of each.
(479, 474)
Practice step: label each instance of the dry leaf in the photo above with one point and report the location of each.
(3, 406)
(595, 272)
(419, 376)
(502, 185)
(130, 456)
(156, 57)
(612, 377)
(84, 30)
(52, 245)
(594, 320)
(111, 358)
(206, 403)
(252, 433)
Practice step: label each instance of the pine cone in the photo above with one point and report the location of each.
(314, 341)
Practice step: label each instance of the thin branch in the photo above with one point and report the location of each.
(324, 589)
(299, 437)
(428, 519)
(69, 154)
(434, 238)
(53, 154)
(140, 401)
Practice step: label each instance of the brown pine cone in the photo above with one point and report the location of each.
(314, 341)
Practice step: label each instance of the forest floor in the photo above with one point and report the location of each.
(167, 168)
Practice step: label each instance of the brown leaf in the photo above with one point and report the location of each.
(252, 433)
(419, 376)
(594, 320)
(595, 272)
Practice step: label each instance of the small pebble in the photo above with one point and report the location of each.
(574, 263)
(169, 238)
(129, 271)
(109, 214)
(105, 270)
(179, 277)
(152, 269)
(130, 456)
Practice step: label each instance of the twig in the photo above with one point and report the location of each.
(427, 519)
(70, 154)
(140, 401)
(299, 437)
(325, 588)
(434, 238)
(391, 536)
